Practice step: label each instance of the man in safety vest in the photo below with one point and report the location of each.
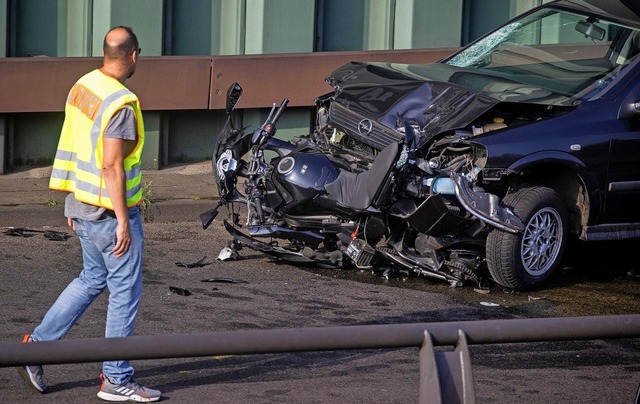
(98, 164)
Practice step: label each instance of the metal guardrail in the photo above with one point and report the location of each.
(173, 83)
(448, 372)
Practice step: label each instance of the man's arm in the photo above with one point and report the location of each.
(114, 152)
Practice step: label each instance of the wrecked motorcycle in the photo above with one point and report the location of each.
(311, 204)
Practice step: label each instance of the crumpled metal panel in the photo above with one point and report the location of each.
(296, 76)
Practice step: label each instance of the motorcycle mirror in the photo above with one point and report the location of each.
(233, 96)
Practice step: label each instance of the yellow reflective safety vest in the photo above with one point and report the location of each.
(77, 167)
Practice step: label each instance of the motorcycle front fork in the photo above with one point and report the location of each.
(254, 202)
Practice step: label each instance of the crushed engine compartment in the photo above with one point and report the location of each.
(443, 151)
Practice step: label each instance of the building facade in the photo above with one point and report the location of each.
(190, 28)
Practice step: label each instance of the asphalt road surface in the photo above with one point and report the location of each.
(595, 281)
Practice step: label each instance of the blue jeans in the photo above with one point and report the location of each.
(102, 269)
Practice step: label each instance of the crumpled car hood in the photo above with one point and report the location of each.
(436, 96)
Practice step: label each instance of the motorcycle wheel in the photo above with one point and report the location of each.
(526, 260)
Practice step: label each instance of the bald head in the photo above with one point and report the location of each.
(119, 43)
(120, 53)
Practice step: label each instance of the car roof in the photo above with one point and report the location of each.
(622, 10)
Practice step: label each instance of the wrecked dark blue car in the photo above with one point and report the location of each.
(528, 136)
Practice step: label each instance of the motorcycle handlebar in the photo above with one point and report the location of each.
(268, 120)
(275, 118)
(269, 126)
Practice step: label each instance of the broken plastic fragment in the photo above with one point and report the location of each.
(224, 280)
(179, 291)
(56, 235)
(23, 232)
(17, 232)
(227, 253)
(197, 264)
(489, 304)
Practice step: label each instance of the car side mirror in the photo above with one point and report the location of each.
(629, 110)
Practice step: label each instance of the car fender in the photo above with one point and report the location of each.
(574, 165)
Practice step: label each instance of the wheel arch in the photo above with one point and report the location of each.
(568, 176)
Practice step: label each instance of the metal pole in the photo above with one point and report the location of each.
(318, 339)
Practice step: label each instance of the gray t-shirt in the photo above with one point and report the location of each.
(121, 126)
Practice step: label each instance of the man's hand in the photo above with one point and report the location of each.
(123, 238)
(114, 152)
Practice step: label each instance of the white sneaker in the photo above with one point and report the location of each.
(129, 391)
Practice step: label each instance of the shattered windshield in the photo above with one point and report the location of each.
(556, 50)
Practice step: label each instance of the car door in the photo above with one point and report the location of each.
(623, 181)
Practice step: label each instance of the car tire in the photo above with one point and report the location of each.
(525, 260)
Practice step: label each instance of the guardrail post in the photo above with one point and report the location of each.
(446, 376)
